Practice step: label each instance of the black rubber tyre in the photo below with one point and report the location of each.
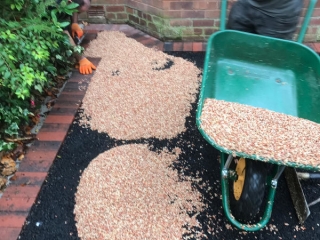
(251, 198)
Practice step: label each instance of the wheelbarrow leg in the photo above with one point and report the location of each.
(297, 195)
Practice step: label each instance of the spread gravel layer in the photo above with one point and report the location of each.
(130, 192)
(52, 215)
(261, 132)
(138, 92)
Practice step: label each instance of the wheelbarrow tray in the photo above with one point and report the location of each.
(274, 74)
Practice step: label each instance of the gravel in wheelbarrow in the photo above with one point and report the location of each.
(262, 133)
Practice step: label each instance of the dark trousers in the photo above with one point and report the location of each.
(247, 18)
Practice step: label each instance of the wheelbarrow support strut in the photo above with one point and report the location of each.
(225, 176)
(296, 192)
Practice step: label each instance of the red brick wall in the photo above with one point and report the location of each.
(186, 20)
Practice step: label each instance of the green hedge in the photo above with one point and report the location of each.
(33, 51)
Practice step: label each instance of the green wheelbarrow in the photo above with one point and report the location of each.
(233, 62)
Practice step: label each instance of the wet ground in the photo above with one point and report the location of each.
(52, 215)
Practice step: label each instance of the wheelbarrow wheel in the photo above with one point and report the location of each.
(247, 192)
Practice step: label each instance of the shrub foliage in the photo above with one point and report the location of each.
(33, 51)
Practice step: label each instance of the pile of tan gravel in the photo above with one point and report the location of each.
(133, 95)
(130, 192)
(261, 132)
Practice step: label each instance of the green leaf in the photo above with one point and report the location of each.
(59, 57)
(54, 11)
(12, 130)
(69, 12)
(69, 53)
(54, 17)
(51, 69)
(11, 57)
(26, 92)
(5, 146)
(63, 3)
(14, 126)
(26, 112)
(64, 24)
(72, 5)
(7, 75)
(19, 7)
(3, 68)
(38, 87)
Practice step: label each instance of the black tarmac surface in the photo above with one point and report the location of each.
(52, 218)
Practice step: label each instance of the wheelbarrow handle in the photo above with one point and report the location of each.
(223, 14)
(304, 27)
(306, 20)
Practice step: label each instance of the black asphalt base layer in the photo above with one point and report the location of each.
(52, 218)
